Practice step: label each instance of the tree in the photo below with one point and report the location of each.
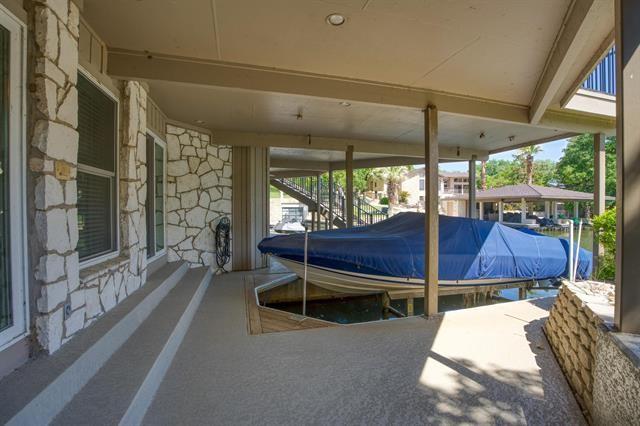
(483, 175)
(604, 226)
(575, 168)
(525, 158)
(544, 173)
(393, 176)
(502, 172)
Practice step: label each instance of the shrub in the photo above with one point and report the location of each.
(384, 201)
(404, 196)
(604, 226)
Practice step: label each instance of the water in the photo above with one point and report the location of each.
(586, 240)
(350, 310)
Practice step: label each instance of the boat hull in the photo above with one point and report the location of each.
(354, 283)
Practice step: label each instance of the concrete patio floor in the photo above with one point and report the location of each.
(483, 365)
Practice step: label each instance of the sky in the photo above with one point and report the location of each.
(550, 151)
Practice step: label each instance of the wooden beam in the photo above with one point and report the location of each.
(602, 51)
(291, 173)
(331, 199)
(536, 142)
(599, 189)
(573, 35)
(140, 65)
(349, 189)
(296, 164)
(431, 211)
(627, 293)
(235, 138)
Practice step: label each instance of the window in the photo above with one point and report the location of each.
(421, 184)
(155, 196)
(97, 201)
(13, 312)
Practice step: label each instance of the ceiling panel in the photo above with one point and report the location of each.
(492, 49)
(264, 112)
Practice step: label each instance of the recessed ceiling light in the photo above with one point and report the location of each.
(199, 122)
(345, 104)
(336, 19)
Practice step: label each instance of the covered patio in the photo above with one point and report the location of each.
(144, 136)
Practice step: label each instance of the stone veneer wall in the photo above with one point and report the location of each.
(106, 284)
(198, 194)
(57, 280)
(53, 154)
(572, 330)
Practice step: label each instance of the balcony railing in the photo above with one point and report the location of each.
(603, 77)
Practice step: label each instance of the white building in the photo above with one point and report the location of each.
(449, 184)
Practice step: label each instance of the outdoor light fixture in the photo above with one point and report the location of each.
(336, 19)
(345, 104)
(199, 122)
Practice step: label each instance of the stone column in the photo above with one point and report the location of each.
(523, 211)
(53, 159)
(481, 210)
(133, 183)
(547, 209)
(576, 209)
(500, 211)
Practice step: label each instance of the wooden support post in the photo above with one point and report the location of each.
(410, 310)
(331, 199)
(523, 211)
(431, 211)
(349, 176)
(599, 190)
(481, 210)
(576, 209)
(318, 202)
(627, 43)
(547, 209)
(500, 211)
(472, 187)
(555, 210)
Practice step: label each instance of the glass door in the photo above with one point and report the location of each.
(155, 196)
(6, 311)
(13, 308)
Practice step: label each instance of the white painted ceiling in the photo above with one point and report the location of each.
(492, 49)
(264, 112)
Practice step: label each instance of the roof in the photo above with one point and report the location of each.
(531, 192)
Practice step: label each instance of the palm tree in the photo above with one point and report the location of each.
(483, 175)
(525, 157)
(393, 176)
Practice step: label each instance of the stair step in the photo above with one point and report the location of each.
(107, 396)
(39, 390)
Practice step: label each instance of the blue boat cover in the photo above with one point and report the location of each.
(469, 249)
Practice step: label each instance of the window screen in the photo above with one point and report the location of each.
(97, 202)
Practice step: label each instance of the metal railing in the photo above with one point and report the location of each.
(363, 212)
(603, 77)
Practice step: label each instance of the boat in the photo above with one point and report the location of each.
(289, 226)
(389, 255)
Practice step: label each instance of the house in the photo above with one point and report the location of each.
(138, 142)
(449, 184)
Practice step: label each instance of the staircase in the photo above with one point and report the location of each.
(109, 372)
(305, 190)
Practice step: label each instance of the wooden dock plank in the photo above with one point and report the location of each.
(261, 319)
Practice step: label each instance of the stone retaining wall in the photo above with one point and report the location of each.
(572, 330)
(198, 194)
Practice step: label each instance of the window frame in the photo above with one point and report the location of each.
(85, 263)
(17, 177)
(157, 140)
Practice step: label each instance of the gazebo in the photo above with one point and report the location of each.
(527, 193)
